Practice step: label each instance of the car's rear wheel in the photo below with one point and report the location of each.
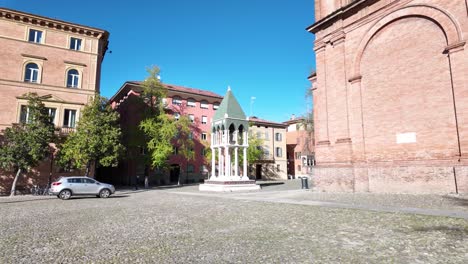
(65, 194)
(104, 193)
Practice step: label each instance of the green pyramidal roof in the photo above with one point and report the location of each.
(229, 106)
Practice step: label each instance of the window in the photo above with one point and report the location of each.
(266, 151)
(51, 112)
(24, 115)
(191, 102)
(279, 152)
(215, 106)
(31, 73)
(75, 43)
(35, 36)
(75, 180)
(259, 134)
(204, 119)
(278, 136)
(203, 136)
(190, 135)
(176, 116)
(69, 118)
(203, 151)
(176, 100)
(204, 104)
(192, 118)
(176, 151)
(73, 78)
(89, 181)
(190, 168)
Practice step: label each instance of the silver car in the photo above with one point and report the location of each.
(67, 187)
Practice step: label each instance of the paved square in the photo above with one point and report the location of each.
(185, 226)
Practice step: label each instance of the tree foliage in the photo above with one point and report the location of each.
(25, 145)
(255, 149)
(97, 138)
(161, 131)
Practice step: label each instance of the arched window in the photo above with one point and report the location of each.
(73, 77)
(31, 73)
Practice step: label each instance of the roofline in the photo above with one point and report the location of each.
(138, 84)
(268, 123)
(294, 121)
(82, 29)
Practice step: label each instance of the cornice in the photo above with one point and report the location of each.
(17, 16)
(338, 14)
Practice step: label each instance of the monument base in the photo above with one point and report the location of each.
(229, 186)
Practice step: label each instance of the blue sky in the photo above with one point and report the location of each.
(258, 47)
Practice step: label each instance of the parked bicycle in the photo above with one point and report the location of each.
(37, 190)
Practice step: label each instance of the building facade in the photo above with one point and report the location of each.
(390, 96)
(60, 61)
(273, 164)
(198, 105)
(300, 147)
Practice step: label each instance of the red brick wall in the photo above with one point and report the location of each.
(391, 98)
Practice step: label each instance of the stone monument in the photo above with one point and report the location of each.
(229, 136)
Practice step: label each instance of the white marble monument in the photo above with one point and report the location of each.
(229, 137)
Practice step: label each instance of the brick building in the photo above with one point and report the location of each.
(273, 164)
(391, 96)
(58, 60)
(300, 147)
(198, 105)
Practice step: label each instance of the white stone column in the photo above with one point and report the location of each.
(245, 177)
(213, 163)
(227, 163)
(236, 160)
(220, 163)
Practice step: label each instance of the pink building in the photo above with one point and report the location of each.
(198, 105)
(58, 60)
(300, 148)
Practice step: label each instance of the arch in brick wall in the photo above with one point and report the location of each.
(443, 19)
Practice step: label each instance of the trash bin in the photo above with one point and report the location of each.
(305, 182)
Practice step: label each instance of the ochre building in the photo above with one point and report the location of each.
(58, 60)
(391, 96)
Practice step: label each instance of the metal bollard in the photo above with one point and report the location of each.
(305, 182)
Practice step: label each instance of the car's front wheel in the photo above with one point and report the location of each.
(65, 194)
(104, 193)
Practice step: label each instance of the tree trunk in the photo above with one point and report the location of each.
(88, 165)
(13, 187)
(147, 176)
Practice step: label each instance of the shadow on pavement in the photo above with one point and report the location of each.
(458, 200)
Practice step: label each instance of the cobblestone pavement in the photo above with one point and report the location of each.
(291, 192)
(175, 226)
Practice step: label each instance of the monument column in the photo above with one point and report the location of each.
(236, 162)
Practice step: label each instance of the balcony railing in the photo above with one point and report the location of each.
(64, 130)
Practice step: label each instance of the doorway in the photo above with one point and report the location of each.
(258, 172)
(174, 173)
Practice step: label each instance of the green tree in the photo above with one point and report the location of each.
(25, 145)
(162, 132)
(97, 139)
(254, 151)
